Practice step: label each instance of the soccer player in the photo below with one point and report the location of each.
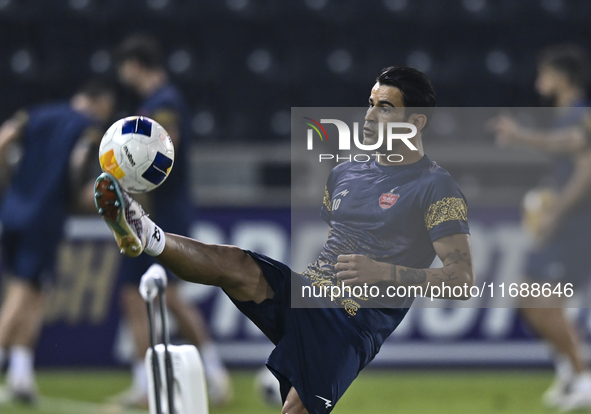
(564, 231)
(140, 67)
(392, 220)
(56, 140)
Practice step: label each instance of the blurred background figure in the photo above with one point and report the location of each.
(562, 223)
(53, 144)
(140, 67)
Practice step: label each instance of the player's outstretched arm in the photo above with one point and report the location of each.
(454, 251)
(567, 140)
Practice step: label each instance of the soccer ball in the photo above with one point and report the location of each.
(138, 152)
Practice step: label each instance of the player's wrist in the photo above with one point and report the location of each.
(391, 276)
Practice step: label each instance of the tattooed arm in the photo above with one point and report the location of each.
(454, 251)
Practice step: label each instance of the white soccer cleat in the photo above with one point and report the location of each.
(133, 397)
(219, 387)
(578, 396)
(123, 215)
(553, 396)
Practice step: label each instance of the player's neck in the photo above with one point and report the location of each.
(408, 156)
(569, 97)
(82, 104)
(151, 82)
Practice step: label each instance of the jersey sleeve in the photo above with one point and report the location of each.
(326, 211)
(445, 209)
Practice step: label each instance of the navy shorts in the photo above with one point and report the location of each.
(566, 257)
(319, 351)
(30, 256)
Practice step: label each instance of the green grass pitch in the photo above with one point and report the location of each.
(402, 391)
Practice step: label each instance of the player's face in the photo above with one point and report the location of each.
(386, 104)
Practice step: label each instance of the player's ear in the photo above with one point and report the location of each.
(418, 120)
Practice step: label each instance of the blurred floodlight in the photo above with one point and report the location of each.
(157, 4)
(395, 5)
(259, 61)
(100, 61)
(4, 4)
(316, 4)
(79, 4)
(339, 61)
(498, 62)
(419, 60)
(21, 61)
(203, 123)
(237, 5)
(281, 122)
(474, 6)
(179, 61)
(552, 6)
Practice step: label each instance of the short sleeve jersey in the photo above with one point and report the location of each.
(390, 214)
(37, 199)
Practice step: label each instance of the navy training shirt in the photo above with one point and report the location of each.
(390, 214)
(171, 201)
(563, 166)
(38, 196)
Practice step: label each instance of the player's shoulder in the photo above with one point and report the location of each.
(169, 94)
(433, 173)
(60, 113)
(50, 109)
(436, 181)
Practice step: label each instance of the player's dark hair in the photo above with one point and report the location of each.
(417, 91)
(140, 47)
(98, 87)
(568, 59)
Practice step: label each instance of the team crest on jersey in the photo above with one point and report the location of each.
(387, 200)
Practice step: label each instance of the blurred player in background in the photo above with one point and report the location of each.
(55, 141)
(391, 219)
(563, 228)
(140, 67)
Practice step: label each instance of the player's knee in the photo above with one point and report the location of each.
(293, 404)
(293, 409)
(237, 266)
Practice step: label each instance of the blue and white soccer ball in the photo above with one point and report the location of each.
(267, 387)
(138, 152)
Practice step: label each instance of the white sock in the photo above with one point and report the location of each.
(2, 357)
(139, 376)
(155, 238)
(212, 363)
(20, 371)
(563, 367)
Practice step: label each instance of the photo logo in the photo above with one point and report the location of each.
(393, 132)
(315, 129)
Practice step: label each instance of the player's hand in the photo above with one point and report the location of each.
(506, 130)
(356, 269)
